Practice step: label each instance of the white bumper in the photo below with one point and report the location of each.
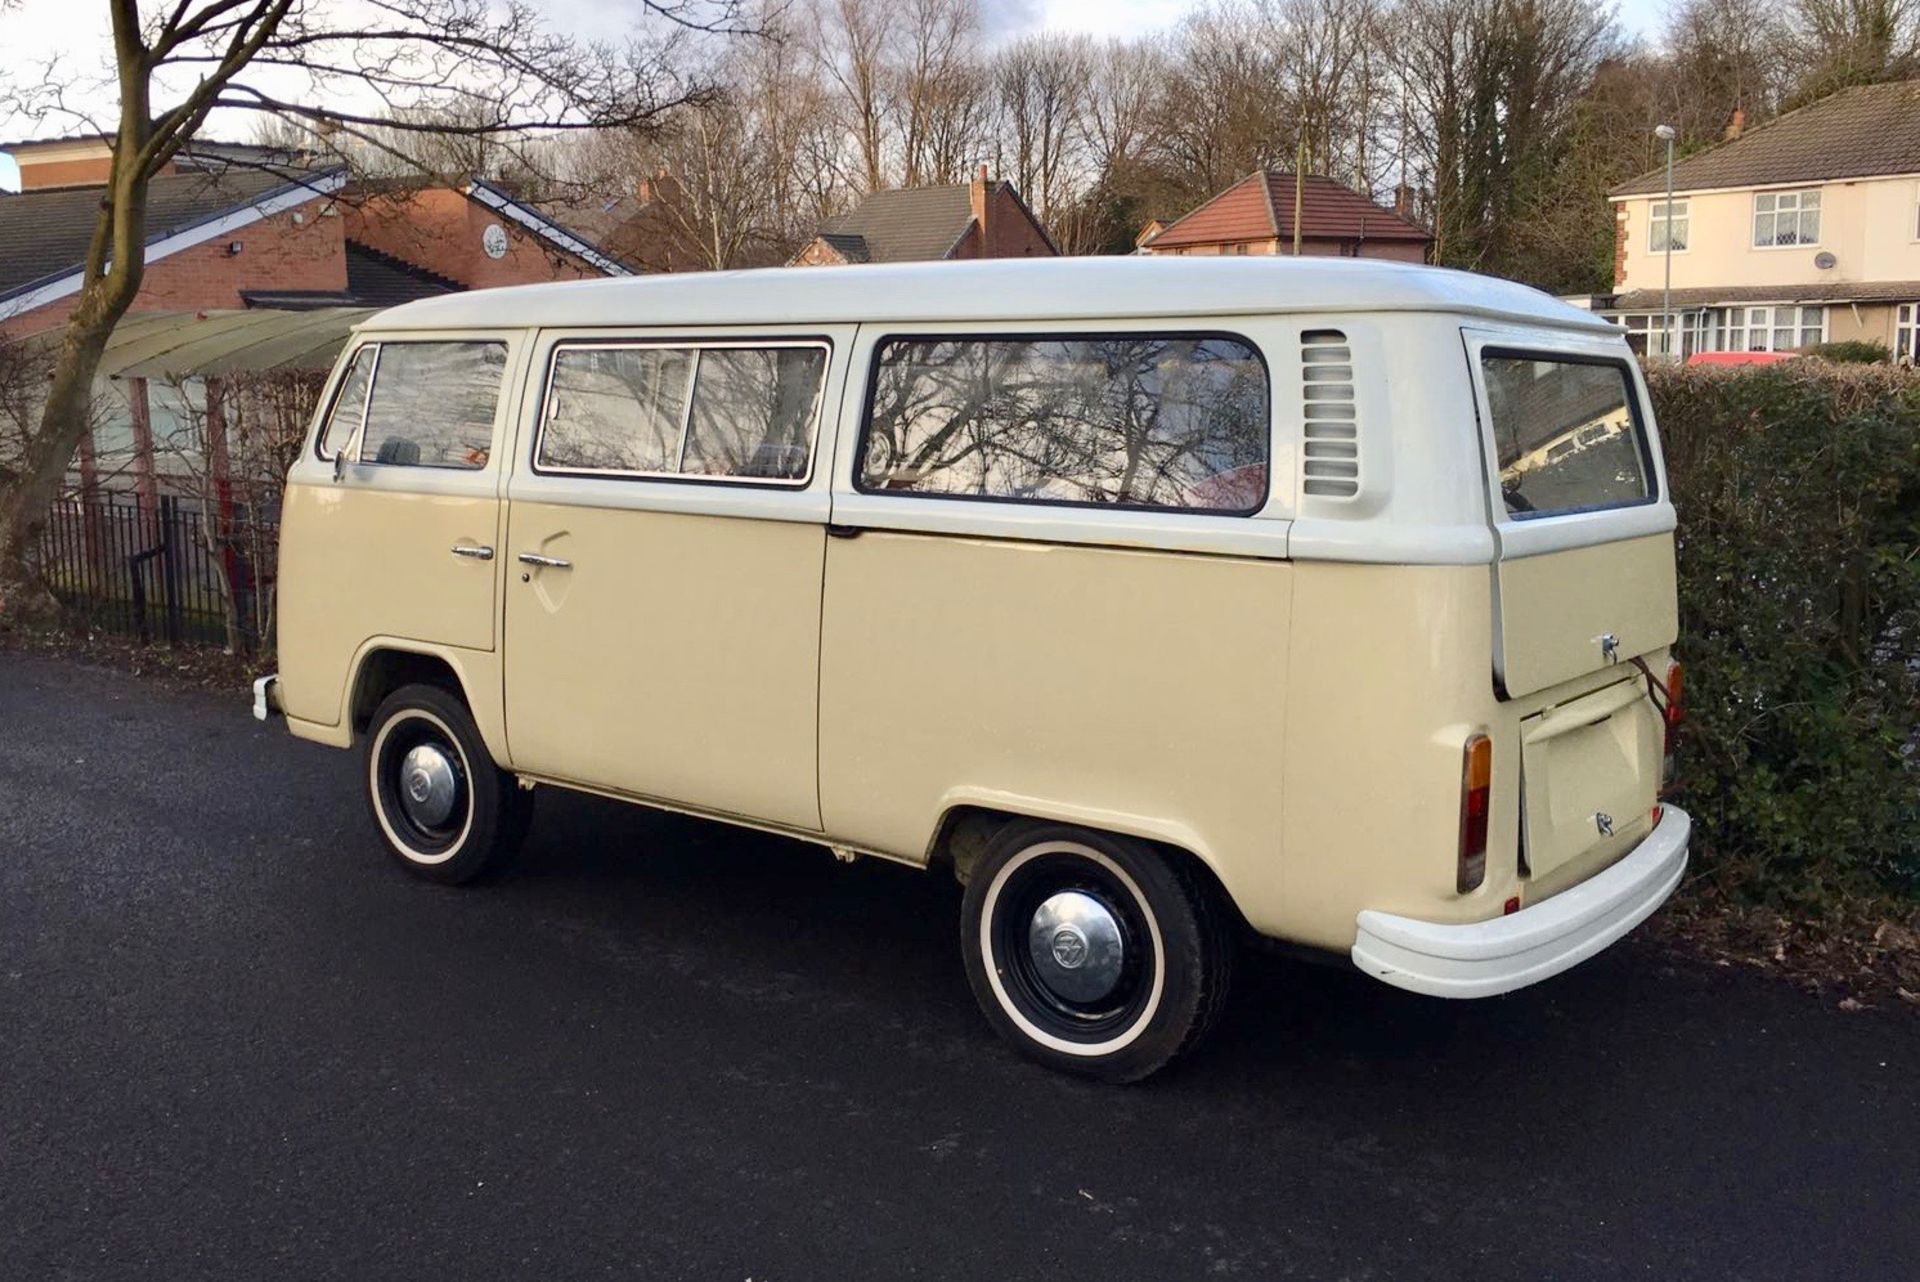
(1484, 958)
(266, 697)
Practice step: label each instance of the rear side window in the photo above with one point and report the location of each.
(1121, 420)
(1568, 434)
(433, 404)
(713, 413)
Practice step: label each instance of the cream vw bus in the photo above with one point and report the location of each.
(1161, 601)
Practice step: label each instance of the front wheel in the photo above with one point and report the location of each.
(1093, 954)
(444, 809)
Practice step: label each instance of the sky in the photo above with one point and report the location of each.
(77, 31)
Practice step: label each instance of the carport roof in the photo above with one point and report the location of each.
(197, 344)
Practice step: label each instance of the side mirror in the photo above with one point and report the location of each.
(339, 465)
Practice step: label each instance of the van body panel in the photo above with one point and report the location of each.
(367, 550)
(1589, 774)
(1076, 680)
(676, 656)
(1557, 608)
(1386, 682)
(372, 556)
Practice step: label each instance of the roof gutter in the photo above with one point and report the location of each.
(540, 225)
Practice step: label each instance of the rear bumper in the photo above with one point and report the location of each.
(1484, 958)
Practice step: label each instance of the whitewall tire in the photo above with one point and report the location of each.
(1094, 954)
(442, 807)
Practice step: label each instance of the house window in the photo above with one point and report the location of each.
(1786, 218)
(1775, 329)
(1693, 331)
(1906, 332)
(1668, 227)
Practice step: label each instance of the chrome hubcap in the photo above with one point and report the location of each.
(428, 786)
(1076, 945)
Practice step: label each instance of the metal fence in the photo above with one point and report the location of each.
(167, 570)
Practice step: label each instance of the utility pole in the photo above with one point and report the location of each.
(1665, 134)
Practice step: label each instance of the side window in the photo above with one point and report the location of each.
(714, 413)
(1124, 420)
(349, 404)
(753, 413)
(1567, 434)
(616, 409)
(433, 404)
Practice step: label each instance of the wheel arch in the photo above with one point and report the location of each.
(969, 822)
(384, 664)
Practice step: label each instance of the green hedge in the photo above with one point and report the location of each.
(1798, 487)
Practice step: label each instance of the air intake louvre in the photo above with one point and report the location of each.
(1332, 445)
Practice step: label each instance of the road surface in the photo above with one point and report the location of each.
(236, 1042)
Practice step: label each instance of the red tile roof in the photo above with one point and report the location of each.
(1260, 207)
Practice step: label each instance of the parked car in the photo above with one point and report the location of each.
(1159, 600)
(1739, 358)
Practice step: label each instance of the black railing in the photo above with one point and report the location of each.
(172, 570)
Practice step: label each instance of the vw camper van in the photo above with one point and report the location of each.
(1163, 602)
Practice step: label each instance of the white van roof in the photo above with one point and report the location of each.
(1048, 289)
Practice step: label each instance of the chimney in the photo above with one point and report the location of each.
(977, 198)
(1403, 201)
(1736, 125)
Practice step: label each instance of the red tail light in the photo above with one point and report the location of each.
(1674, 715)
(1476, 792)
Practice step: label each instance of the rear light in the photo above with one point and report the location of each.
(1476, 790)
(1675, 713)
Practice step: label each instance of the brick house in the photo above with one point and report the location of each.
(1256, 216)
(240, 240)
(980, 219)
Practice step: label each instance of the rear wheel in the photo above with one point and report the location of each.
(445, 810)
(1091, 953)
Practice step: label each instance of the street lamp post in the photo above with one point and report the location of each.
(1665, 134)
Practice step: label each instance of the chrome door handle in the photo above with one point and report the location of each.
(473, 550)
(550, 562)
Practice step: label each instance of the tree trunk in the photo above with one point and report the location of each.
(24, 599)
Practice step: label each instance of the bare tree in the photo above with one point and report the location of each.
(1040, 89)
(1837, 43)
(851, 42)
(365, 68)
(937, 88)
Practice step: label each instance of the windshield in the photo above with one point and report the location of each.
(1567, 434)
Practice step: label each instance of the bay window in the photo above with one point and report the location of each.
(1774, 329)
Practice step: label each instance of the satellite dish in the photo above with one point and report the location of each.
(1825, 261)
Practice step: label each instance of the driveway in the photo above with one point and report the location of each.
(235, 1042)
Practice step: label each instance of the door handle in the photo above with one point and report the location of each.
(549, 562)
(473, 550)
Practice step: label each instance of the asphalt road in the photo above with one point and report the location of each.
(235, 1042)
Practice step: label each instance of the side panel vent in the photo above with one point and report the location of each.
(1331, 450)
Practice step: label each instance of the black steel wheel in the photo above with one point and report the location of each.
(445, 811)
(1092, 953)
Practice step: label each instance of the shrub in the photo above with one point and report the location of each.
(1798, 488)
(1854, 351)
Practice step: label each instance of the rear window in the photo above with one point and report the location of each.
(1568, 434)
(1122, 420)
